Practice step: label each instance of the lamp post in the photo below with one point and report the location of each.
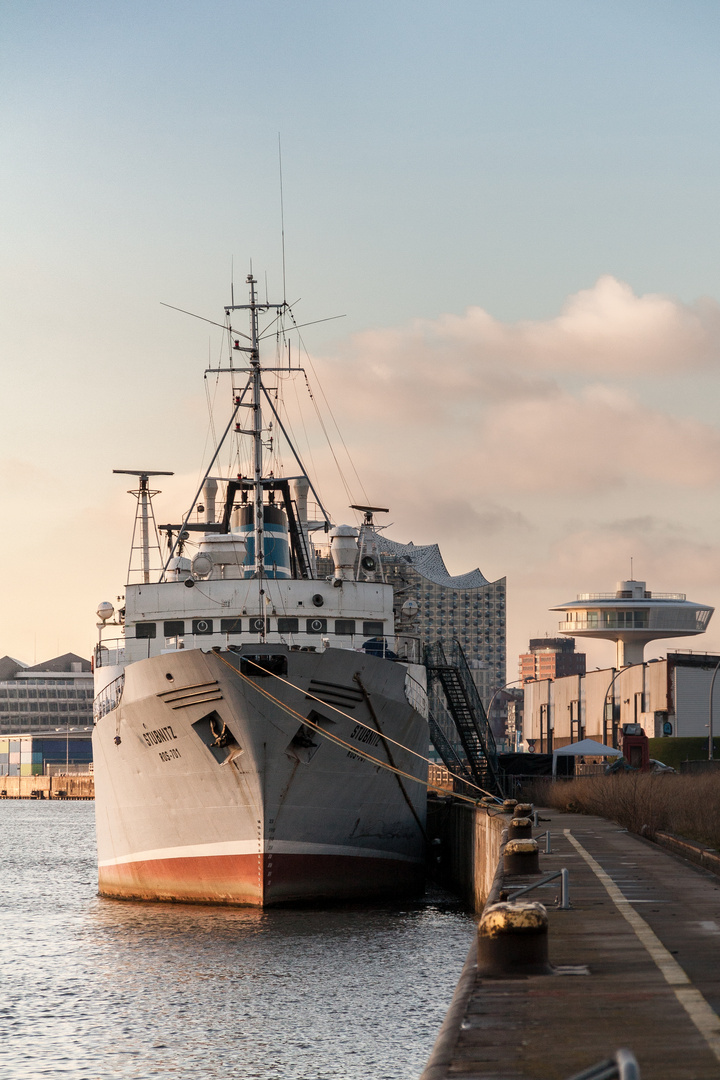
(605, 705)
(495, 694)
(710, 713)
(618, 672)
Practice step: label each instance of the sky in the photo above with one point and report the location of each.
(513, 205)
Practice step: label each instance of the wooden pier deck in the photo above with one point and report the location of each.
(637, 965)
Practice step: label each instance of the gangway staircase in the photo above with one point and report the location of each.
(450, 678)
(454, 763)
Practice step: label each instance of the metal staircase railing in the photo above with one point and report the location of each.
(451, 759)
(467, 711)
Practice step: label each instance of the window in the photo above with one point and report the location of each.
(344, 626)
(263, 666)
(316, 626)
(288, 626)
(202, 626)
(174, 627)
(373, 629)
(145, 630)
(231, 626)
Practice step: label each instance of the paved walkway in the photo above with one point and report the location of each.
(645, 929)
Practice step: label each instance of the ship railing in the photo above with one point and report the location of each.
(622, 596)
(109, 698)
(416, 694)
(576, 625)
(74, 768)
(409, 648)
(110, 653)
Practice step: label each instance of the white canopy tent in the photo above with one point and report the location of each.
(584, 748)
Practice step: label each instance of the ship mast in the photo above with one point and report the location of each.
(254, 307)
(258, 519)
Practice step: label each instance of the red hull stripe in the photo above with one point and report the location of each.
(260, 880)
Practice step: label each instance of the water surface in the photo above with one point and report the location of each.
(95, 989)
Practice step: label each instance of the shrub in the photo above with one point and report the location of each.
(685, 805)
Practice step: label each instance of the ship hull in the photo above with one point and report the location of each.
(277, 813)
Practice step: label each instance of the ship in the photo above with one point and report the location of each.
(260, 729)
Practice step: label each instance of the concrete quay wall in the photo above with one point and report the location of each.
(469, 850)
(81, 786)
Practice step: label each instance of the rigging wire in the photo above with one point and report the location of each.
(297, 327)
(341, 474)
(329, 408)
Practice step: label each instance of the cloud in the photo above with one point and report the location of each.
(471, 402)
(603, 331)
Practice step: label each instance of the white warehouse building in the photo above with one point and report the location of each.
(668, 697)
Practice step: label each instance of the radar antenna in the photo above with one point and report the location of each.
(144, 515)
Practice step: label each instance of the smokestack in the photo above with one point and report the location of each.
(300, 491)
(209, 493)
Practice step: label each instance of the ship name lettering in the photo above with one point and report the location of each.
(362, 734)
(160, 735)
(168, 755)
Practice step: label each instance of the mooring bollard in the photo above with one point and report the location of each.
(508, 807)
(513, 941)
(523, 809)
(521, 857)
(520, 828)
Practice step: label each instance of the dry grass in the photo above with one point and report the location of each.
(688, 806)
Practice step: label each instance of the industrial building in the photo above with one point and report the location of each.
(667, 697)
(44, 755)
(53, 696)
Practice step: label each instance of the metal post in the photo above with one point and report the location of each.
(564, 890)
(548, 850)
(710, 725)
(605, 705)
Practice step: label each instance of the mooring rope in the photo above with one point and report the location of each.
(336, 738)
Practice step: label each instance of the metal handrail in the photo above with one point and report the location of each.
(623, 1066)
(623, 599)
(564, 876)
(604, 624)
(109, 698)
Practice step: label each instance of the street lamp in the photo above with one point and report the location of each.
(605, 709)
(618, 672)
(495, 694)
(710, 717)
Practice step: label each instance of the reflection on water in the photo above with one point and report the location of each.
(95, 989)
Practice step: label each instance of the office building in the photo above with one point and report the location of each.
(667, 697)
(551, 658)
(52, 696)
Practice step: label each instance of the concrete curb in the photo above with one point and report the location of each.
(690, 850)
(443, 1051)
(444, 1048)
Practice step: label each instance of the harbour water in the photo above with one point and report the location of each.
(97, 989)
